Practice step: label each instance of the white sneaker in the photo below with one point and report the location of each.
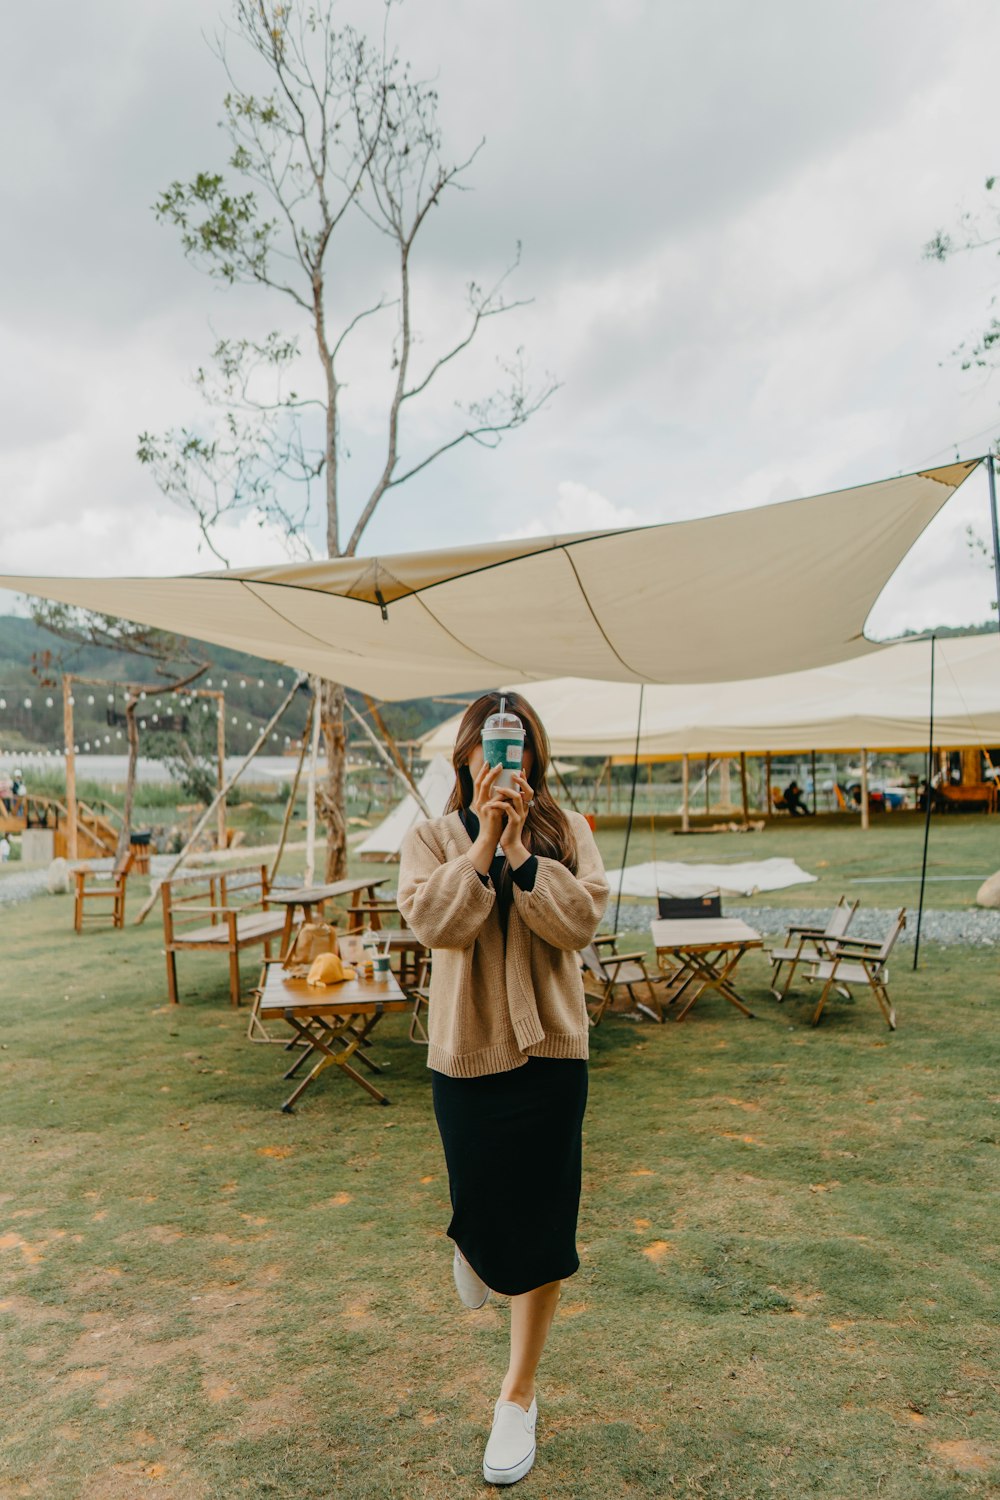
(510, 1451)
(471, 1287)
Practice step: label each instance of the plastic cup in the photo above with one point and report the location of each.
(503, 745)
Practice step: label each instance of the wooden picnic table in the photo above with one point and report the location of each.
(312, 898)
(334, 1022)
(707, 951)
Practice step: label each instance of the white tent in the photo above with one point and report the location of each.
(385, 841)
(879, 701)
(780, 588)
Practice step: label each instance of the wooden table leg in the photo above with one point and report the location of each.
(321, 1042)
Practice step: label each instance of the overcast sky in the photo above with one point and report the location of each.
(722, 209)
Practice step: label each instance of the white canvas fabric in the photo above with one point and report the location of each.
(385, 841)
(666, 878)
(880, 701)
(779, 588)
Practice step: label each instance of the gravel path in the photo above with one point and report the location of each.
(952, 929)
(17, 885)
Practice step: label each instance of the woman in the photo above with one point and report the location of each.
(505, 889)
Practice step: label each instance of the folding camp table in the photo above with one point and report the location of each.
(707, 951)
(334, 1021)
(312, 898)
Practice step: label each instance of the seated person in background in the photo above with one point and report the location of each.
(6, 789)
(794, 803)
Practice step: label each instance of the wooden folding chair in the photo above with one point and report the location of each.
(610, 971)
(853, 962)
(101, 886)
(806, 944)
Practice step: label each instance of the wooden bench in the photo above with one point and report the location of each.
(236, 903)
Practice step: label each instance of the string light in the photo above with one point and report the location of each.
(111, 697)
(3, 702)
(243, 682)
(90, 699)
(27, 702)
(72, 701)
(48, 703)
(260, 682)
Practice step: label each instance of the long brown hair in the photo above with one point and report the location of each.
(547, 831)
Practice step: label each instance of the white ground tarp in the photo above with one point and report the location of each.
(677, 879)
(385, 841)
(776, 589)
(873, 702)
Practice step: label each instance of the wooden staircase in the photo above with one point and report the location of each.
(96, 835)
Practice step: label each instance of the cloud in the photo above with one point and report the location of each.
(722, 211)
(577, 508)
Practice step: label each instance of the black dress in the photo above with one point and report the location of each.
(512, 1142)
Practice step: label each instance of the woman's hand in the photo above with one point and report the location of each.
(516, 802)
(490, 812)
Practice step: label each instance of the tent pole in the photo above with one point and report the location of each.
(928, 799)
(384, 757)
(209, 810)
(743, 787)
(71, 837)
(631, 807)
(996, 530)
(708, 777)
(306, 735)
(814, 781)
(685, 793)
(864, 789)
(767, 783)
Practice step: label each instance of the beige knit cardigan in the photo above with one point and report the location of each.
(497, 1000)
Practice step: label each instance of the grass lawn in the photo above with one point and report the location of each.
(788, 1239)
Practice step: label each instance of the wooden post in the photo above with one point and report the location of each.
(310, 870)
(609, 783)
(71, 841)
(743, 786)
(814, 781)
(685, 794)
(768, 809)
(725, 784)
(220, 739)
(708, 777)
(864, 788)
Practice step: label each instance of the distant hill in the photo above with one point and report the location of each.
(33, 661)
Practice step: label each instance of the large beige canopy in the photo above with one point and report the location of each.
(776, 589)
(879, 701)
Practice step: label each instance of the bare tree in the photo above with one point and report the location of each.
(978, 230)
(342, 140)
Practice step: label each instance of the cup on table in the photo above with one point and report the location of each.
(381, 966)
